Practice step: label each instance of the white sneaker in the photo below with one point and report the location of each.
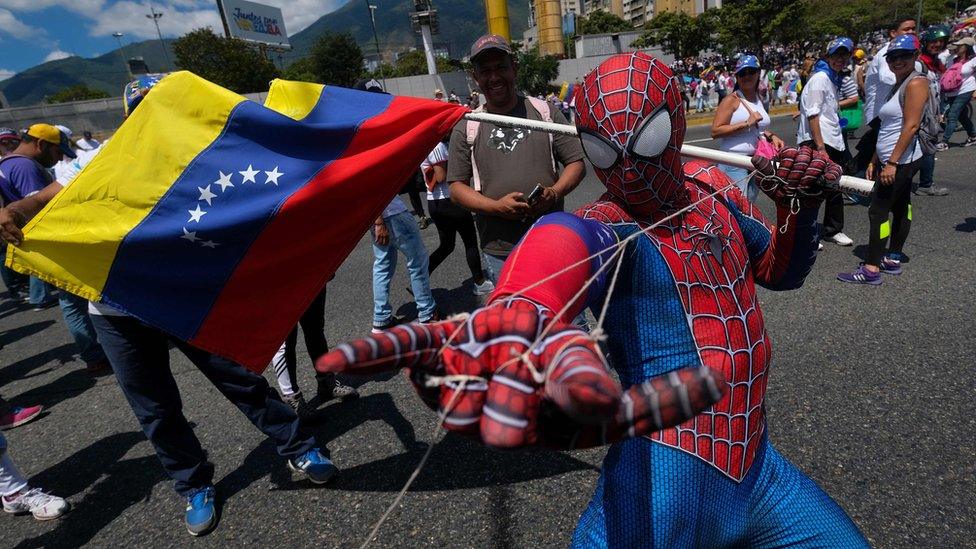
(841, 239)
(34, 501)
(484, 288)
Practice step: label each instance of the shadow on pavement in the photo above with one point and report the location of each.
(64, 388)
(21, 332)
(125, 483)
(457, 463)
(967, 226)
(22, 369)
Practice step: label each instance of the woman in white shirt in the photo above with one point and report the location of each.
(959, 99)
(896, 160)
(741, 120)
(820, 126)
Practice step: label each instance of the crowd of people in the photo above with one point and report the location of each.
(488, 184)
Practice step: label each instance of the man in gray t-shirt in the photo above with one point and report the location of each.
(509, 162)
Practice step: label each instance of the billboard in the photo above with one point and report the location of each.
(254, 22)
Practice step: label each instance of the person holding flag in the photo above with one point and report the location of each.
(181, 230)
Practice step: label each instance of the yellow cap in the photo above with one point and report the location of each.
(47, 132)
(859, 54)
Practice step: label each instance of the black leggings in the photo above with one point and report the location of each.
(450, 219)
(893, 200)
(313, 328)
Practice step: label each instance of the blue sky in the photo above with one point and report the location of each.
(34, 31)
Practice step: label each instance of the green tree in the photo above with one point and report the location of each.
(229, 62)
(414, 62)
(78, 92)
(678, 33)
(301, 70)
(601, 22)
(337, 59)
(535, 71)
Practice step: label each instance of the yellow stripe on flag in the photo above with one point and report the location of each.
(293, 99)
(73, 241)
(885, 230)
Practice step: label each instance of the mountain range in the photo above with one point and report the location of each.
(461, 22)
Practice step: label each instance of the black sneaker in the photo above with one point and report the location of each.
(970, 142)
(329, 390)
(297, 403)
(394, 321)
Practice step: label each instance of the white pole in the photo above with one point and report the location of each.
(846, 184)
(428, 49)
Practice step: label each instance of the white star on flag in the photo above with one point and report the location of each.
(189, 235)
(223, 181)
(209, 244)
(249, 174)
(205, 194)
(273, 176)
(196, 214)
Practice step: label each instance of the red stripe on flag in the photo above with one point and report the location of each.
(316, 229)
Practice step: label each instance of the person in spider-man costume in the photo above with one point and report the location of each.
(682, 316)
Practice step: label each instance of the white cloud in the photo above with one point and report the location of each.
(130, 17)
(6, 73)
(9, 24)
(57, 54)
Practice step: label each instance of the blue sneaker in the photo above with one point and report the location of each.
(201, 515)
(314, 466)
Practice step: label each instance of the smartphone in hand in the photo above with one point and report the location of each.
(535, 195)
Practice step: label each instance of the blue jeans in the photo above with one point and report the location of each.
(746, 185)
(956, 106)
(139, 355)
(926, 171)
(39, 291)
(405, 237)
(75, 312)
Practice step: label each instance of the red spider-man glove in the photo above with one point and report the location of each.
(797, 178)
(487, 380)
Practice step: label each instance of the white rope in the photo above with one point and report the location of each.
(423, 461)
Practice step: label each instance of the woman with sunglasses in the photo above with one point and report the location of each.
(896, 160)
(741, 120)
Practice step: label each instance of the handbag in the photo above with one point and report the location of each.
(764, 148)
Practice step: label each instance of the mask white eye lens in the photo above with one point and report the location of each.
(654, 136)
(601, 154)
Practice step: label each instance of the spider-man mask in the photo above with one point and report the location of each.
(632, 123)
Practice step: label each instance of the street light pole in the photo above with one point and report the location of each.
(154, 15)
(118, 37)
(376, 41)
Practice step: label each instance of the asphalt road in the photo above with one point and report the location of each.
(871, 395)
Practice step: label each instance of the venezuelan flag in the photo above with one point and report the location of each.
(218, 219)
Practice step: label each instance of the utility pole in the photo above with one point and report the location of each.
(118, 37)
(376, 40)
(154, 15)
(918, 21)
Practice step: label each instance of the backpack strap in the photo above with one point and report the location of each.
(471, 134)
(545, 112)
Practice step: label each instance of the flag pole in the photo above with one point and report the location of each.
(847, 184)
